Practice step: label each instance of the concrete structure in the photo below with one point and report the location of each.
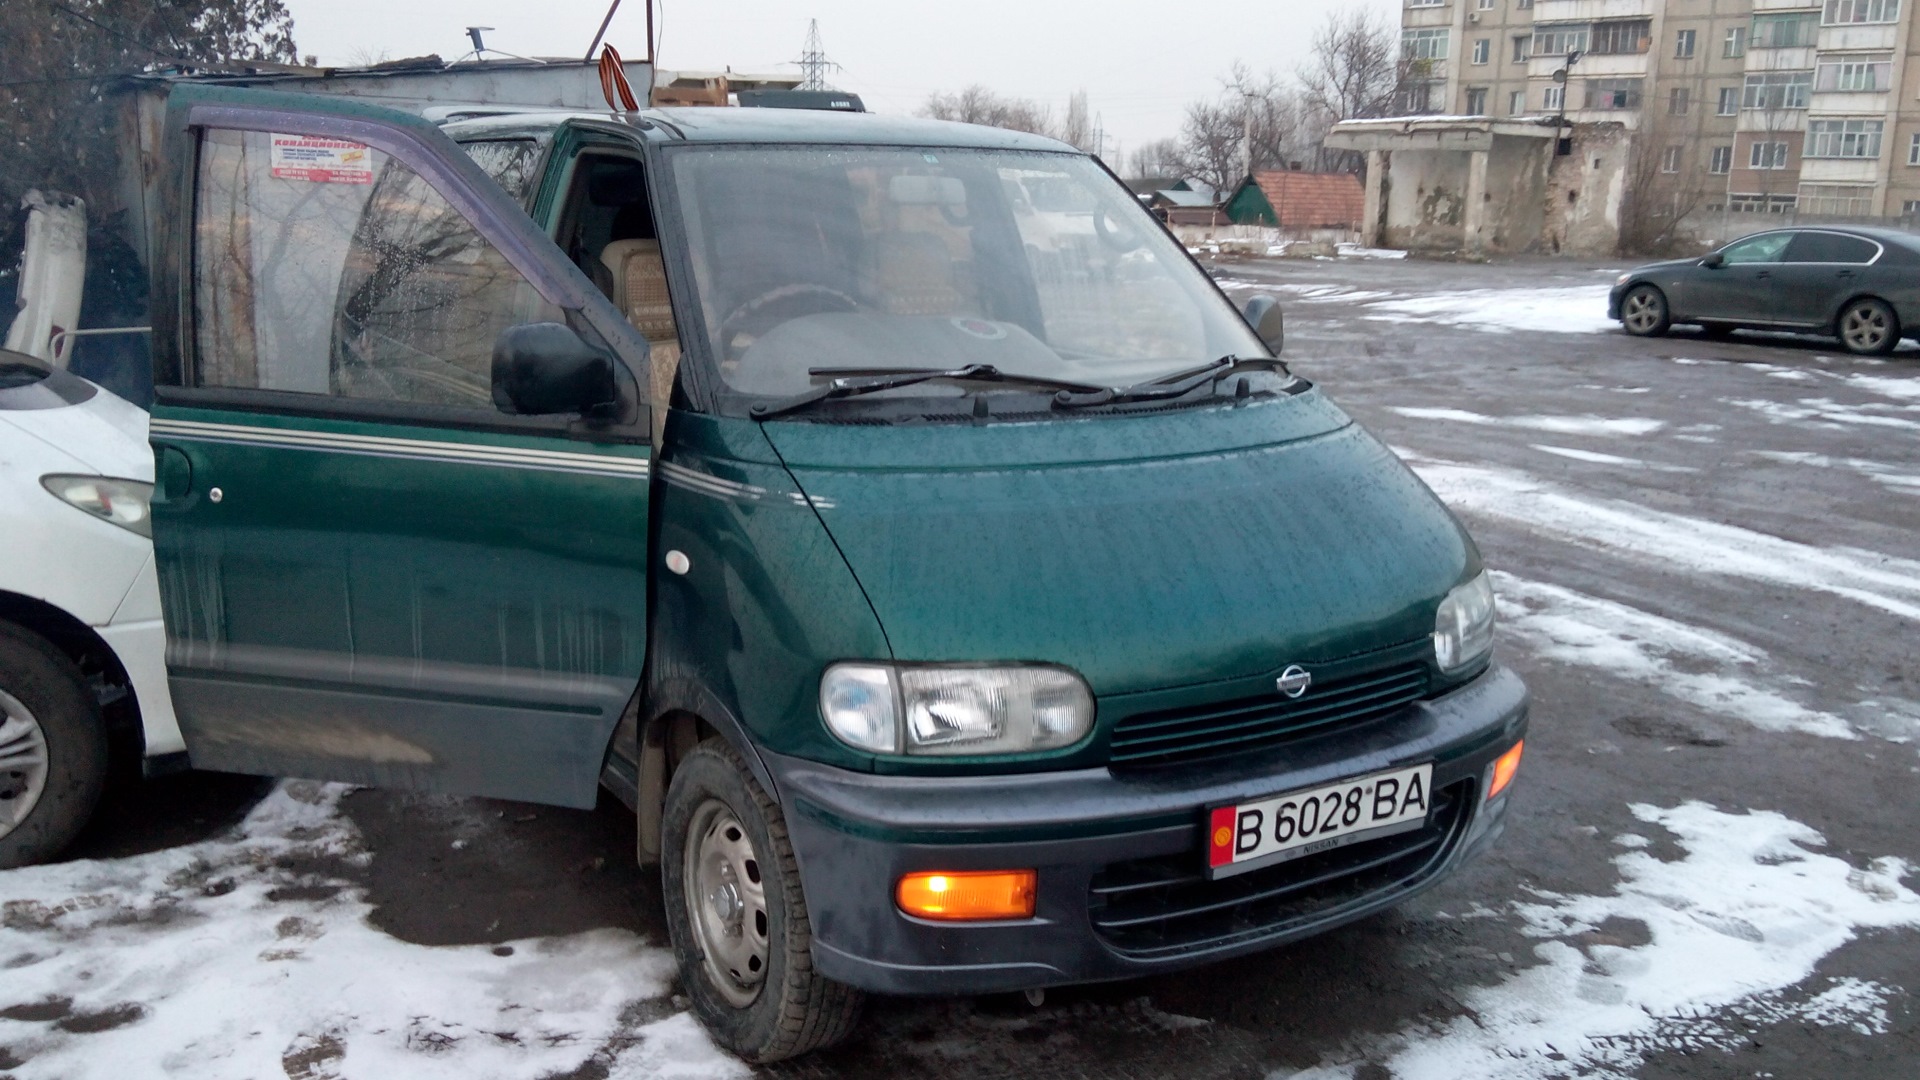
(1481, 186)
(1743, 106)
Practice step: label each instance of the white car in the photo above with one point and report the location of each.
(82, 646)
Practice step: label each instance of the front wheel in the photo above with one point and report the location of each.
(1869, 328)
(738, 917)
(53, 750)
(1643, 311)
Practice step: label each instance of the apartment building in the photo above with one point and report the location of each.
(1760, 106)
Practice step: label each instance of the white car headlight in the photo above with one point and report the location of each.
(126, 503)
(1622, 279)
(916, 709)
(1463, 628)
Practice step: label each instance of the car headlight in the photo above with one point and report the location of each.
(1622, 280)
(928, 710)
(1463, 628)
(126, 503)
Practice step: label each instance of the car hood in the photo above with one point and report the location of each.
(1146, 552)
(104, 432)
(1661, 267)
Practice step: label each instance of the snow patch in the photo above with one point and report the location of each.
(1673, 541)
(223, 959)
(1579, 309)
(1559, 425)
(1879, 472)
(1359, 251)
(1627, 643)
(1610, 459)
(1823, 413)
(1735, 928)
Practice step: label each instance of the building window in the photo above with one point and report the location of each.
(1554, 98)
(1761, 204)
(1617, 38)
(1476, 101)
(1789, 31)
(1767, 155)
(1670, 160)
(1426, 3)
(1735, 43)
(1857, 73)
(1559, 40)
(1862, 11)
(1909, 207)
(1424, 44)
(1482, 50)
(1613, 93)
(1720, 160)
(1523, 5)
(1683, 45)
(1844, 138)
(1520, 48)
(1516, 102)
(1836, 200)
(1417, 97)
(1486, 5)
(1778, 90)
(1729, 100)
(1679, 100)
(1913, 150)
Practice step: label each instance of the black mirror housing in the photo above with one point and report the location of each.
(1264, 315)
(1714, 261)
(547, 369)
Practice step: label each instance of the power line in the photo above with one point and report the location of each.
(813, 61)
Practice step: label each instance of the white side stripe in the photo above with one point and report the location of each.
(510, 457)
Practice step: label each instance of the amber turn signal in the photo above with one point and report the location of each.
(968, 895)
(1504, 768)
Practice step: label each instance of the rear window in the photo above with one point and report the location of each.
(19, 369)
(1826, 247)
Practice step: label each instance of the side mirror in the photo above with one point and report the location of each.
(1714, 261)
(1264, 315)
(544, 369)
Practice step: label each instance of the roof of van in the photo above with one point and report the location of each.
(793, 126)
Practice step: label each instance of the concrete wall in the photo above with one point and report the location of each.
(1516, 194)
(1426, 199)
(1585, 190)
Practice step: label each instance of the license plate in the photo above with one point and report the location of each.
(1300, 823)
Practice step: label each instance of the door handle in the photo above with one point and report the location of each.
(172, 480)
(1844, 274)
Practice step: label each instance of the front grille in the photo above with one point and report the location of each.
(1151, 908)
(1178, 736)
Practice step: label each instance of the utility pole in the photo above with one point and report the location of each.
(813, 61)
(1246, 139)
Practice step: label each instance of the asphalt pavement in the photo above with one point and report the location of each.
(1709, 560)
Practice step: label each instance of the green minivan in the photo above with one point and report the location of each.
(957, 587)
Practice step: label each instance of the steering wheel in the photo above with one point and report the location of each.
(775, 306)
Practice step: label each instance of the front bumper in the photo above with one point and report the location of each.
(1614, 297)
(1109, 847)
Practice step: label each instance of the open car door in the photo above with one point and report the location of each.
(380, 561)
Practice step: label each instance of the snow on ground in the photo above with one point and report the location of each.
(1827, 414)
(1593, 458)
(1677, 958)
(1580, 309)
(1559, 425)
(1702, 668)
(1880, 472)
(1674, 541)
(1357, 251)
(235, 958)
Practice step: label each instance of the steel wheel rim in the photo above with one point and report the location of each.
(23, 763)
(727, 902)
(1642, 311)
(1865, 327)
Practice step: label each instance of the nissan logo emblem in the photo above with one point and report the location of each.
(1294, 681)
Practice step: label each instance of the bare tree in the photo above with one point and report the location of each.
(1160, 158)
(1214, 146)
(979, 105)
(1354, 73)
(1077, 128)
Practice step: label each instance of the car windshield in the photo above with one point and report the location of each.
(1037, 264)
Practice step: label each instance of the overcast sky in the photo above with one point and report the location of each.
(1139, 61)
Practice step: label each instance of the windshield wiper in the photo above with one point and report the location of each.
(851, 382)
(1167, 387)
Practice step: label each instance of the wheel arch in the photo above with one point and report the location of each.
(1833, 319)
(679, 714)
(107, 678)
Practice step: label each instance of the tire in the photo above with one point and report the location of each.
(1644, 312)
(53, 750)
(721, 831)
(1868, 327)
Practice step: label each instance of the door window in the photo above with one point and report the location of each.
(1764, 248)
(330, 268)
(1827, 247)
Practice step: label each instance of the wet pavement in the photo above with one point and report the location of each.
(1709, 569)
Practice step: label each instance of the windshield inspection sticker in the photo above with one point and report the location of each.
(321, 161)
(980, 328)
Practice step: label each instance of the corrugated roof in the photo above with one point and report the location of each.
(1313, 200)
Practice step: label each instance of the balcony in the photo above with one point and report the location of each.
(1884, 37)
(1553, 11)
